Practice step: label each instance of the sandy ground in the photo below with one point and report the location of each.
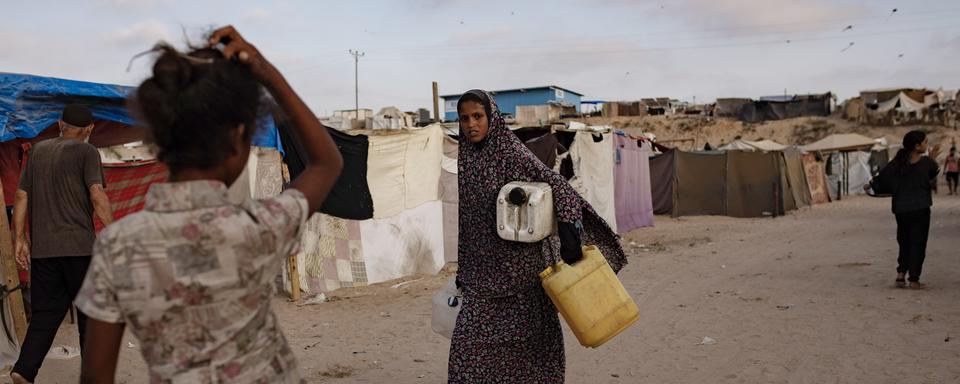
(799, 299)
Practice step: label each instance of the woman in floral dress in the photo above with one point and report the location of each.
(508, 331)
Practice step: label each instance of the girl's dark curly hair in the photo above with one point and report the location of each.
(192, 103)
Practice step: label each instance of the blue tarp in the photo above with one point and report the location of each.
(30, 104)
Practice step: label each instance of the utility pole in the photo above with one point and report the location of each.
(436, 102)
(356, 81)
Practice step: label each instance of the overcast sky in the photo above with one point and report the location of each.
(605, 49)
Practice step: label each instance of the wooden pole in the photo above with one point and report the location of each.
(294, 278)
(10, 277)
(436, 102)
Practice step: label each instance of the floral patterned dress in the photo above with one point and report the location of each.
(191, 276)
(508, 331)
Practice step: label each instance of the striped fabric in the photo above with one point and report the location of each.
(127, 185)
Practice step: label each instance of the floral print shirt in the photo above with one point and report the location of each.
(192, 276)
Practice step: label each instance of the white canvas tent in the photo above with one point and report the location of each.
(753, 146)
(840, 142)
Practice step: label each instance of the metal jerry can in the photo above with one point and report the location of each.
(525, 212)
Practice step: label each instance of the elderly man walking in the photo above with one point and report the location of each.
(60, 191)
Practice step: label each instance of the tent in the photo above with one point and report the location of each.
(840, 142)
(734, 183)
(631, 175)
(849, 171)
(776, 108)
(411, 179)
(747, 145)
(753, 184)
(31, 105)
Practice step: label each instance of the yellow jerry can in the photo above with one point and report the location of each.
(590, 297)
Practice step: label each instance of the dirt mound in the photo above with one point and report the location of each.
(694, 132)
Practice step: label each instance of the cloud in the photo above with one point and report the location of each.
(777, 15)
(255, 15)
(143, 33)
(132, 5)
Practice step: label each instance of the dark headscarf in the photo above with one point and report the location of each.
(488, 265)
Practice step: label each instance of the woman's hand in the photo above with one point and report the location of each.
(935, 152)
(235, 47)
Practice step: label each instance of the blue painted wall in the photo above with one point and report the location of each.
(508, 101)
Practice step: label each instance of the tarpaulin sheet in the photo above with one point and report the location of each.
(858, 172)
(816, 179)
(450, 196)
(127, 186)
(350, 197)
(662, 179)
(403, 170)
(544, 148)
(30, 104)
(752, 179)
(593, 173)
(631, 176)
(701, 184)
(797, 178)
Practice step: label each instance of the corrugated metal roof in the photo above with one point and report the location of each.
(520, 90)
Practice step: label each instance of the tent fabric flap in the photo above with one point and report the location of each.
(797, 178)
(663, 177)
(701, 184)
(403, 170)
(753, 180)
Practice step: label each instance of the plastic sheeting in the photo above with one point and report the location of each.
(30, 104)
(403, 170)
(593, 173)
(858, 172)
(631, 176)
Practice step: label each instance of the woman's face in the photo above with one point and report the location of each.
(922, 147)
(473, 121)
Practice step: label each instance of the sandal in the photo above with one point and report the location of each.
(901, 283)
(917, 285)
